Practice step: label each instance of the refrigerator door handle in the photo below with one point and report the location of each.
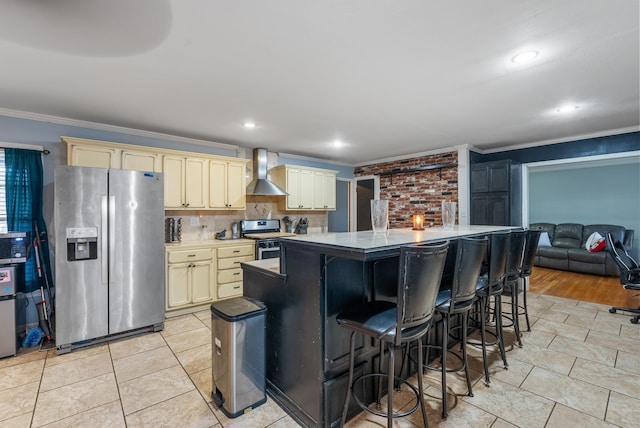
(112, 237)
(104, 244)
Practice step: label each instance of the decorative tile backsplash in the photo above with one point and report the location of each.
(258, 207)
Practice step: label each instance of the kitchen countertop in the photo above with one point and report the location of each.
(207, 243)
(368, 240)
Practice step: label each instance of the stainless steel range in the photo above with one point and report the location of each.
(266, 233)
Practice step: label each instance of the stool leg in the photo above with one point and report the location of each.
(524, 299)
(483, 327)
(379, 395)
(465, 320)
(514, 311)
(350, 379)
(390, 382)
(445, 339)
(420, 384)
(498, 310)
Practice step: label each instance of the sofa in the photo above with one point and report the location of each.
(568, 247)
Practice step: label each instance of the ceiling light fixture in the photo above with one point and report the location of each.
(249, 125)
(567, 109)
(337, 143)
(524, 57)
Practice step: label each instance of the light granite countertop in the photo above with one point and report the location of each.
(368, 240)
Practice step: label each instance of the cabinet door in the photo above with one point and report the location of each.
(202, 282)
(96, 157)
(306, 189)
(293, 188)
(173, 169)
(499, 177)
(479, 178)
(140, 161)
(236, 186)
(499, 210)
(217, 184)
(178, 285)
(325, 191)
(196, 181)
(479, 210)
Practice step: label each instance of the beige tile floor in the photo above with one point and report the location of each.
(580, 366)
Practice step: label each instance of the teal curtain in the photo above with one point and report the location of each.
(24, 182)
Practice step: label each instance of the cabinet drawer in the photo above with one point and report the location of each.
(233, 262)
(181, 256)
(229, 275)
(230, 290)
(246, 250)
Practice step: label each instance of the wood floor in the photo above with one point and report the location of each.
(590, 288)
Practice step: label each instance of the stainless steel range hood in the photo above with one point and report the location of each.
(260, 184)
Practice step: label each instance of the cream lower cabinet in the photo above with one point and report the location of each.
(227, 185)
(185, 182)
(190, 279)
(229, 272)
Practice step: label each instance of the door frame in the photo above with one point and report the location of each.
(354, 196)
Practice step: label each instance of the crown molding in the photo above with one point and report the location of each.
(112, 128)
(557, 140)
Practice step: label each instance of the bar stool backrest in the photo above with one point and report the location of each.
(419, 273)
(514, 256)
(530, 249)
(469, 257)
(498, 250)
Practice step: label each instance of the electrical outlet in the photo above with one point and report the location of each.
(195, 221)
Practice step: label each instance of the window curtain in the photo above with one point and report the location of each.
(24, 182)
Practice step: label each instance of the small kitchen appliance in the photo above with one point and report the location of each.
(8, 337)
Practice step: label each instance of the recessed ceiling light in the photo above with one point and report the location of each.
(337, 143)
(524, 57)
(567, 109)
(249, 125)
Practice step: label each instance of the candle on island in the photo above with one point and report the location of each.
(418, 222)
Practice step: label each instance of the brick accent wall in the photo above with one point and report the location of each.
(420, 192)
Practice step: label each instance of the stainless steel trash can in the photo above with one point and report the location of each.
(238, 356)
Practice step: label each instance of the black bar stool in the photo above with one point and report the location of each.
(490, 285)
(530, 249)
(408, 320)
(458, 300)
(512, 279)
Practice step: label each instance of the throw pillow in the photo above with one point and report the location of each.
(595, 242)
(544, 240)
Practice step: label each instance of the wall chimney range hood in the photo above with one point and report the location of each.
(261, 185)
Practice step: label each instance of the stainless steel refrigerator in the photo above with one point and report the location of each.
(109, 253)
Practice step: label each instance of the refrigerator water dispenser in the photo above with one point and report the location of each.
(82, 243)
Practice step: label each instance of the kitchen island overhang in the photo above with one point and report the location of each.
(316, 277)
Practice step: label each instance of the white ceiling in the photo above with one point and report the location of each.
(387, 77)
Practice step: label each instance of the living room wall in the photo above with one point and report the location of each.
(603, 194)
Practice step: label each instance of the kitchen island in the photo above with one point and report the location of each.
(315, 278)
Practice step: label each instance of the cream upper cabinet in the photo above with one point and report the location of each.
(325, 191)
(140, 161)
(308, 188)
(96, 157)
(300, 189)
(185, 182)
(227, 185)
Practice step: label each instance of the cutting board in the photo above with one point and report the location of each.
(268, 235)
